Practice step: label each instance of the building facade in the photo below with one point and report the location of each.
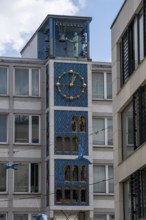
(128, 82)
(56, 127)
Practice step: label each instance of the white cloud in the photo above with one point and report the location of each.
(20, 18)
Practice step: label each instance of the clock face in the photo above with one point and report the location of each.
(71, 85)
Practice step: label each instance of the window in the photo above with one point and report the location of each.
(67, 173)
(2, 178)
(134, 195)
(58, 144)
(102, 131)
(21, 217)
(27, 82)
(103, 179)
(3, 128)
(26, 129)
(132, 46)
(75, 124)
(3, 81)
(67, 144)
(26, 178)
(127, 126)
(102, 85)
(75, 173)
(82, 124)
(59, 194)
(2, 216)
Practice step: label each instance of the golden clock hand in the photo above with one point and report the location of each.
(72, 81)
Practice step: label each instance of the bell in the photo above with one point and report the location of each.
(62, 38)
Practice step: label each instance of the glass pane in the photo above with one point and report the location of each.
(58, 143)
(59, 194)
(21, 81)
(75, 173)
(74, 123)
(20, 217)
(99, 179)
(35, 129)
(99, 217)
(35, 82)
(141, 39)
(3, 81)
(98, 85)
(99, 131)
(67, 194)
(127, 125)
(2, 216)
(83, 194)
(75, 144)
(75, 194)
(135, 44)
(67, 144)
(21, 129)
(109, 85)
(2, 178)
(34, 177)
(83, 173)
(67, 173)
(21, 178)
(110, 131)
(83, 124)
(3, 128)
(111, 179)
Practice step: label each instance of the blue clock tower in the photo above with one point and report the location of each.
(64, 42)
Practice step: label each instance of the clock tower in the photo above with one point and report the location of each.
(64, 41)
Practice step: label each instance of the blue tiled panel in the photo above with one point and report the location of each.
(60, 180)
(42, 45)
(63, 126)
(59, 100)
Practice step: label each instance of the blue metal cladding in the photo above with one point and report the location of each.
(42, 45)
(63, 128)
(62, 183)
(59, 100)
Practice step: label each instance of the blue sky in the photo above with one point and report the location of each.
(20, 22)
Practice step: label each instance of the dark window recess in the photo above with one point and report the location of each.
(59, 194)
(34, 178)
(125, 57)
(139, 115)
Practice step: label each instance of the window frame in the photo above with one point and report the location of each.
(107, 179)
(106, 130)
(105, 95)
(29, 130)
(4, 192)
(100, 214)
(29, 82)
(7, 89)
(29, 180)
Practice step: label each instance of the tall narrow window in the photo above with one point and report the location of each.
(98, 85)
(67, 173)
(110, 131)
(35, 82)
(21, 178)
(75, 194)
(111, 179)
(99, 131)
(21, 128)
(82, 124)
(141, 39)
(2, 178)
(99, 177)
(3, 81)
(74, 123)
(22, 82)
(34, 177)
(75, 173)
(3, 128)
(59, 194)
(35, 129)
(2, 216)
(83, 174)
(67, 194)
(67, 144)
(127, 125)
(109, 86)
(58, 144)
(75, 144)
(83, 194)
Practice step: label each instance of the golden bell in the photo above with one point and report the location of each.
(70, 71)
(71, 97)
(58, 84)
(71, 84)
(84, 85)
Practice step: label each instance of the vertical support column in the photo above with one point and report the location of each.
(51, 54)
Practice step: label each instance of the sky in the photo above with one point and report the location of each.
(20, 19)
